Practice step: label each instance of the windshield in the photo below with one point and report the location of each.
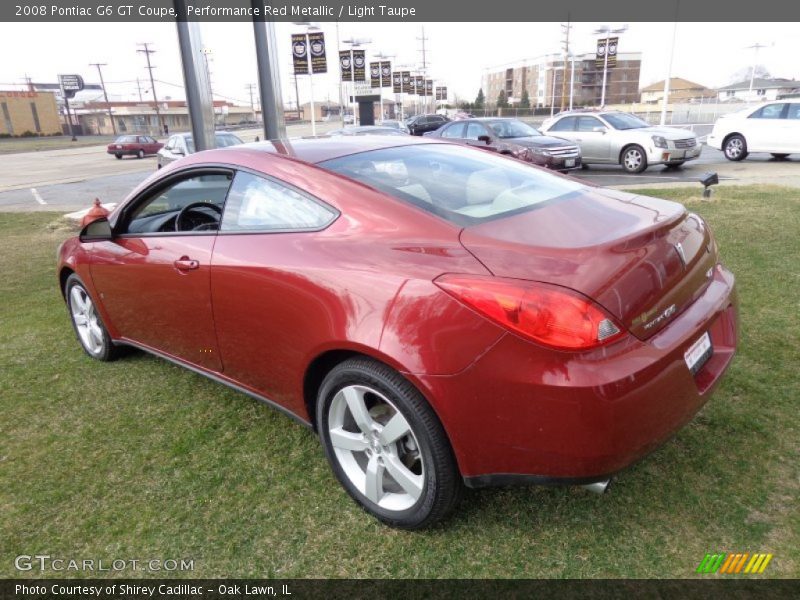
(624, 121)
(457, 183)
(512, 129)
(223, 141)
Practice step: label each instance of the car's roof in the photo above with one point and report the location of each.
(188, 134)
(320, 149)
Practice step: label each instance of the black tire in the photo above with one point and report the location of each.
(140, 154)
(735, 148)
(779, 156)
(676, 165)
(633, 159)
(119, 156)
(585, 166)
(442, 485)
(106, 350)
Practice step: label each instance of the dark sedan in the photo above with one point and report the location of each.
(422, 124)
(134, 145)
(511, 136)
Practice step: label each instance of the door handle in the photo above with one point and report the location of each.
(184, 263)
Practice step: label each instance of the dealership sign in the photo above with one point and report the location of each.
(316, 43)
(300, 53)
(70, 85)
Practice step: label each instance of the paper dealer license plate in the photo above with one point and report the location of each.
(698, 353)
(569, 162)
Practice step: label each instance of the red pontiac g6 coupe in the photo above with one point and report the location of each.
(439, 315)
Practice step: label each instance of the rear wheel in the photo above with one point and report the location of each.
(119, 156)
(140, 154)
(86, 321)
(633, 159)
(780, 156)
(735, 148)
(386, 446)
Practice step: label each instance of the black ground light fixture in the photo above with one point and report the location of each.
(708, 179)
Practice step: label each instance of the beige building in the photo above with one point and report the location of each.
(26, 113)
(548, 80)
(141, 117)
(680, 90)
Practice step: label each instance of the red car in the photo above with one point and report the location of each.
(134, 145)
(439, 315)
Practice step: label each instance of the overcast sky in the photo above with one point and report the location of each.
(458, 53)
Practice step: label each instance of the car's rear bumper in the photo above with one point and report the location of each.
(522, 413)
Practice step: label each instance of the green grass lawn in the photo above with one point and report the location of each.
(58, 142)
(141, 459)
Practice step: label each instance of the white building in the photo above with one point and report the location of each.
(762, 90)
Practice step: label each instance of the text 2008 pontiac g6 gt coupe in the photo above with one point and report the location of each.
(439, 315)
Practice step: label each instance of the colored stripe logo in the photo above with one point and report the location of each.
(733, 564)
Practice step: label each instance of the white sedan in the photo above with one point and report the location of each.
(772, 127)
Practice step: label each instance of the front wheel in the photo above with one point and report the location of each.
(633, 159)
(86, 321)
(735, 148)
(140, 154)
(386, 446)
(119, 156)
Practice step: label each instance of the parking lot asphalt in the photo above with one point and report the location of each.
(69, 180)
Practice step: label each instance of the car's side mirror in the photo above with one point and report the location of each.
(96, 231)
(599, 129)
(485, 138)
(178, 151)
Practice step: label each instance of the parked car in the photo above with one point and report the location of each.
(421, 124)
(439, 316)
(395, 125)
(463, 115)
(134, 145)
(612, 137)
(182, 144)
(772, 127)
(515, 138)
(367, 130)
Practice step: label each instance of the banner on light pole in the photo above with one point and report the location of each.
(386, 73)
(606, 45)
(346, 64)
(359, 65)
(300, 53)
(316, 43)
(419, 85)
(375, 74)
(407, 83)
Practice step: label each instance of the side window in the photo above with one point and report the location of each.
(456, 130)
(170, 143)
(770, 111)
(588, 123)
(259, 204)
(565, 124)
(474, 130)
(158, 213)
(794, 111)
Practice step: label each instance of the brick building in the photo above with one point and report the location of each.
(26, 112)
(544, 79)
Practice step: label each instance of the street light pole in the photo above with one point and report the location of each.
(571, 78)
(309, 28)
(667, 82)
(354, 43)
(605, 29)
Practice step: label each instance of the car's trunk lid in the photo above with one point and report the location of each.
(643, 259)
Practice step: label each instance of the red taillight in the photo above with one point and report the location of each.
(546, 314)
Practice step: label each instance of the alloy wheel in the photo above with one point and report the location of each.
(633, 160)
(734, 148)
(376, 447)
(87, 323)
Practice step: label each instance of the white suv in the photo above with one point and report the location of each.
(772, 127)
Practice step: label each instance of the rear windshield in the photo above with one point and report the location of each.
(126, 139)
(461, 184)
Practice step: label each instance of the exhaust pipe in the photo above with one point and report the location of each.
(598, 487)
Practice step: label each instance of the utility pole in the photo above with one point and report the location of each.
(250, 87)
(139, 89)
(566, 28)
(147, 52)
(105, 94)
(29, 83)
(755, 47)
(424, 39)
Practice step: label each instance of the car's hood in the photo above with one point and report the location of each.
(617, 248)
(540, 141)
(669, 133)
